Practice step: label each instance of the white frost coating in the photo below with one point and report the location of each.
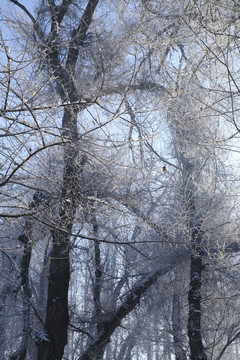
(55, 300)
(43, 336)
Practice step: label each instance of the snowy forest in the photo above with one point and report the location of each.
(119, 180)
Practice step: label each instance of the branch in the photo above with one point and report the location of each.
(76, 328)
(130, 302)
(229, 342)
(160, 157)
(148, 86)
(57, 13)
(79, 34)
(31, 17)
(63, 9)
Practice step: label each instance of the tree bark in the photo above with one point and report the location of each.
(194, 299)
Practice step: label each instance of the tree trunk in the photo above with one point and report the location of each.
(177, 327)
(26, 239)
(194, 299)
(97, 286)
(54, 338)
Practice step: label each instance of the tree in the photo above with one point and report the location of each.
(111, 158)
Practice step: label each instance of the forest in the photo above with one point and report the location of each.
(119, 180)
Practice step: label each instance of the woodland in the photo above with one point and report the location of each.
(119, 180)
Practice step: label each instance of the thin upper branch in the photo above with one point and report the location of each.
(31, 17)
(58, 12)
(79, 34)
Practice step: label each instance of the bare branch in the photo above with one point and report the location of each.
(79, 34)
(31, 17)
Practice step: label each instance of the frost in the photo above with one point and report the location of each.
(43, 336)
(195, 277)
(55, 300)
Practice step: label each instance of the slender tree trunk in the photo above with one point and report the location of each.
(126, 347)
(98, 277)
(129, 352)
(194, 299)
(177, 328)
(52, 346)
(149, 352)
(190, 190)
(25, 238)
(97, 285)
(190, 168)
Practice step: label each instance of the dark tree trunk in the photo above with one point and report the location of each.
(57, 319)
(97, 285)
(197, 351)
(98, 277)
(194, 299)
